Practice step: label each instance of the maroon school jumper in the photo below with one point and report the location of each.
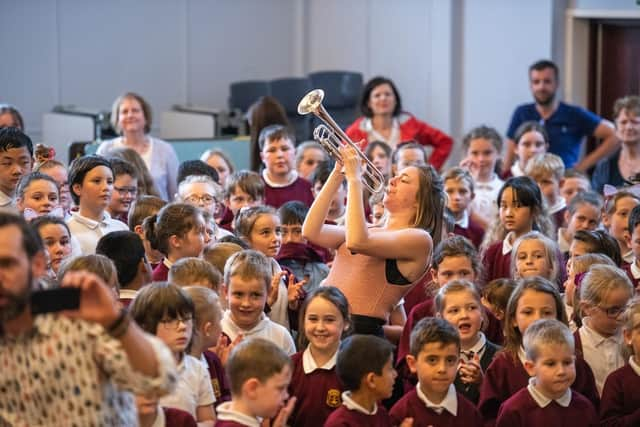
(300, 189)
(506, 376)
(473, 232)
(410, 406)
(219, 382)
(317, 394)
(178, 418)
(620, 403)
(344, 417)
(521, 410)
(160, 273)
(558, 218)
(496, 264)
(635, 281)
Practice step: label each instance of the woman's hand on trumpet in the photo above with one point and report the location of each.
(351, 162)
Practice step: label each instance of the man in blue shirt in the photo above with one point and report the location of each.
(567, 125)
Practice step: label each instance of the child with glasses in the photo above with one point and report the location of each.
(201, 191)
(167, 311)
(125, 189)
(604, 294)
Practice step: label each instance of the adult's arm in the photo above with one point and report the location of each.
(314, 229)
(410, 244)
(604, 132)
(440, 141)
(172, 169)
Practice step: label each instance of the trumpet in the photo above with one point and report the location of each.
(332, 137)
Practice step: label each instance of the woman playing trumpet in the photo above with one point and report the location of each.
(376, 267)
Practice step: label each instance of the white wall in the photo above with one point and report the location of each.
(457, 63)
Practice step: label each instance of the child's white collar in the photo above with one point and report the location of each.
(449, 403)
(507, 243)
(225, 413)
(293, 176)
(309, 364)
(543, 400)
(354, 406)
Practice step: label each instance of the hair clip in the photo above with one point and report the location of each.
(610, 191)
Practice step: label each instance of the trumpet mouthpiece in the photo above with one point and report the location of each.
(311, 101)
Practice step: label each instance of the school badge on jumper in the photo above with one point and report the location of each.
(333, 398)
(215, 384)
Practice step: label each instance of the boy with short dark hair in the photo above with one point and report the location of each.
(91, 183)
(259, 374)
(16, 160)
(408, 153)
(548, 400)
(296, 254)
(242, 188)
(282, 183)
(365, 367)
(435, 354)
(126, 251)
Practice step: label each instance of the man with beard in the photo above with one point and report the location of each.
(71, 369)
(566, 124)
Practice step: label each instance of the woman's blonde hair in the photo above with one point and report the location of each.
(431, 200)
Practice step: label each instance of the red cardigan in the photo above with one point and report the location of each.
(411, 128)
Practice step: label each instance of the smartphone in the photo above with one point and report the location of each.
(54, 300)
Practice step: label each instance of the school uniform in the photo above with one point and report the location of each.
(226, 417)
(628, 258)
(633, 271)
(601, 353)
(620, 404)
(266, 328)
(454, 410)
(496, 260)
(172, 417)
(486, 194)
(530, 408)
(161, 272)
(506, 376)
(277, 195)
(6, 200)
(87, 231)
(219, 382)
(467, 227)
(127, 296)
(485, 350)
(351, 414)
(193, 388)
(317, 389)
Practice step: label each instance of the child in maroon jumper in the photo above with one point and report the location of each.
(178, 231)
(534, 298)
(454, 258)
(521, 209)
(365, 367)
(150, 413)
(548, 172)
(259, 373)
(142, 208)
(282, 183)
(435, 352)
(324, 318)
(615, 219)
(241, 189)
(548, 399)
(458, 302)
(206, 333)
(458, 184)
(620, 405)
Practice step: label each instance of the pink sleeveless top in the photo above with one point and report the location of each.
(363, 281)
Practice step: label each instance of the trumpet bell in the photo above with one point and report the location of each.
(311, 102)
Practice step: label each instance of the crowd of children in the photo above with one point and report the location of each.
(518, 309)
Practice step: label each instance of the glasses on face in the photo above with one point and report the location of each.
(207, 199)
(123, 191)
(174, 324)
(613, 312)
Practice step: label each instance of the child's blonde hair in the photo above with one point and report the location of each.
(206, 305)
(630, 313)
(512, 335)
(190, 270)
(550, 249)
(97, 264)
(611, 203)
(544, 165)
(218, 254)
(249, 264)
(545, 332)
(600, 281)
(497, 293)
(254, 358)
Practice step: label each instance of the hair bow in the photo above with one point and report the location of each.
(610, 191)
(30, 214)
